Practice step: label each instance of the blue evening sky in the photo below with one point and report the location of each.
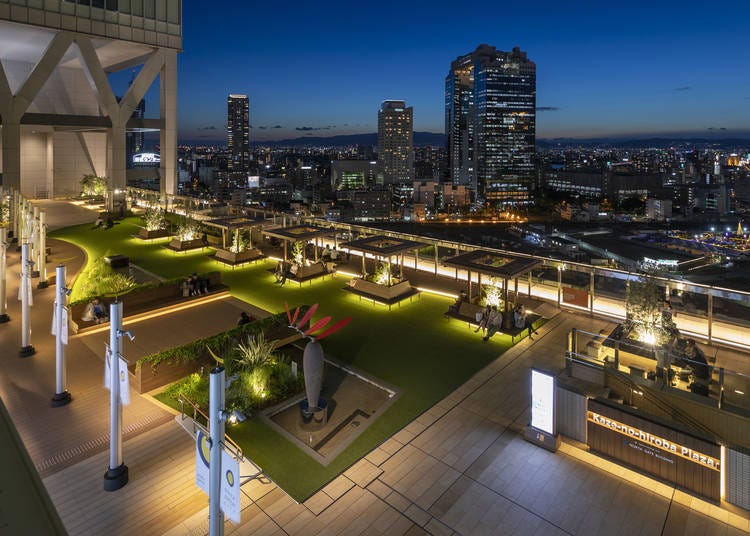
(603, 68)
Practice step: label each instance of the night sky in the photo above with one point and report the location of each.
(603, 68)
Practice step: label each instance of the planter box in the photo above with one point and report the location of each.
(144, 378)
(229, 257)
(382, 291)
(185, 245)
(143, 234)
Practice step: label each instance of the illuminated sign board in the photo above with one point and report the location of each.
(543, 401)
(674, 455)
(146, 158)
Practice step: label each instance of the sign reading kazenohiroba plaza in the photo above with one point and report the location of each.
(688, 461)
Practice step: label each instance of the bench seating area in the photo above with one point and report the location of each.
(225, 256)
(142, 300)
(185, 245)
(307, 273)
(467, 312)
(381, 293)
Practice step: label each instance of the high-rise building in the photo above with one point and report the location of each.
(396, 142)
(135, 139)
(490, 123)
(60, 117)
(238, 133)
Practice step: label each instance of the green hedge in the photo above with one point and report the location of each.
(221, 344)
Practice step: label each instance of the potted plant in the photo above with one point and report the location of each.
(155, 224)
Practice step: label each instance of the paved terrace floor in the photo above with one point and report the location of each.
(461, 467)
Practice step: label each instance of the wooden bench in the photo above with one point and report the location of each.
(185, 245)
(308, 273)
(142, 300)
(381, 293)
(514, 332)
(467, 312)
(225, 256)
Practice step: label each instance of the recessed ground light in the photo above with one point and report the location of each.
(739, 392)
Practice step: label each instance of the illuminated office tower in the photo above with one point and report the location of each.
(490, 123)
(238, 133)
(395, 142)
(61, 118)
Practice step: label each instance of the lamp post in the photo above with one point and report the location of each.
(216, 394)
(60, 330)
(24, 292)
(3, 275)
(117, 472)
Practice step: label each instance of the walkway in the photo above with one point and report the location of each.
(461, 467)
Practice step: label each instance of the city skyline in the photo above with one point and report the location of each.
(602, 70)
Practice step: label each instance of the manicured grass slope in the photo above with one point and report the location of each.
(413, 347)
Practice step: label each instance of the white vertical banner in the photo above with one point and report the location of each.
(124, 376)
(230, 476)
(230, 487)
(64, 334)
(25, 287)
(202, 455)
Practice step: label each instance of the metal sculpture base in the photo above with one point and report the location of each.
(4, 318)
(42, 284)
(116, 478)
(61, 399)
(27, 351)
(313, 418)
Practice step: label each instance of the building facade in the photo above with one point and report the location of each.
(395, 142)
(60, 117)
(490, 124)
(238, 133)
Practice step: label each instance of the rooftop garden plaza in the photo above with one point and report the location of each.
(413, 349)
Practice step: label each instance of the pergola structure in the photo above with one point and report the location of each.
(493, 264)
(239, 223)
(384, 248)
(298, 233)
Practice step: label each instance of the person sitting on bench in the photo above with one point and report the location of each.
(453, 309)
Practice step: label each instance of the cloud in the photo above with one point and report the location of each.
(310, 129)
(682, 88)
(277, 126)
(263, 128)
(547, 108)
(207, 128)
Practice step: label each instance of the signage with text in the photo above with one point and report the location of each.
(543, 401)
(676, 456)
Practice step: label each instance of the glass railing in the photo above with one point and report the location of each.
(676, 371)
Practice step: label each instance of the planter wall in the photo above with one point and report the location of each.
(149, 235)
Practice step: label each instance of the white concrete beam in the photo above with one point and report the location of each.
(140, 85)
(97, 77)
(41, 73)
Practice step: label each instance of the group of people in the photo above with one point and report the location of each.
(194, 285)
(329, 254)
(491, 321)
(95, 311)
(99, 223)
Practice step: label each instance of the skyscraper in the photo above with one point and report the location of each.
(490, 123)
(396, 142)
(135, 139)
(238, 133)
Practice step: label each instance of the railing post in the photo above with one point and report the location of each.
(710, 315)
(721, 386)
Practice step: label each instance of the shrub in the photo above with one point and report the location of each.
(188, 230)
(101, 280)
(93, 186)
(239, 242)
(154, 219)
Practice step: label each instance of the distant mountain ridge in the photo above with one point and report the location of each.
(641, 143)
(420, 139)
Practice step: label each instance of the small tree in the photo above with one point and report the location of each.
(492, 294)
(4, 214)
(644, 303)
(93, 186)
(155, 219)
(188, 230)
(239, 242)
(297, 252)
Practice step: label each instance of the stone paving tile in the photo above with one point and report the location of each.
(398, 501)
(378, 456)
(363, 472)
(437, 528)
(391, 446)
(379, 489)
(318, 502)
(416, 514)
(338, 487)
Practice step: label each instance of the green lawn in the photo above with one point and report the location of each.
(412, 347)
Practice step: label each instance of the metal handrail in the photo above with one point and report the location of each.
(182, 399)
